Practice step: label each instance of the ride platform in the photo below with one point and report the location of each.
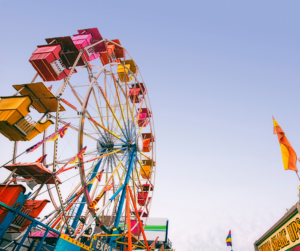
(34, 170)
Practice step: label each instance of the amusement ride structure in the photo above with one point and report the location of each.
(96, 139)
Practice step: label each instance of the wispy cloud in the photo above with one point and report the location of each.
(203, 233)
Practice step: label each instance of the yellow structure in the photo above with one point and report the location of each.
(146, 172)
(15, 122)
(123, 71)
(43, 99)
(147, 166)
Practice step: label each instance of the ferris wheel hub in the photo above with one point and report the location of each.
(100, 146)
(139, 143)
(110, 145)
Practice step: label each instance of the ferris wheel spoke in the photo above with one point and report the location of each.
(120, 211)
(108, 180)
(97, 130)
(127, 102)
(140, 183)
(114, 110)
(71, 197)
(120, 178)
(125, 171)
(145, 155)
(104, 155)
(138, 115)
(66, 180)
(72, 127)
(64, 161)
(134, 185)
(104, 196)
(104, 128)
(106, 107)
(117, 129)
(88, 113)
(102, 119)
(118, 96)
(146, 121)
(133, 106)
(98, 108)
(95, 125)
(109, 106)
(78, 184)
(120, 102)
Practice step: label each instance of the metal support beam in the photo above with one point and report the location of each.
(122, 200)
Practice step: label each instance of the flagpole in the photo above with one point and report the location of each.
(231, 242)
(12, 159)
(297, 175)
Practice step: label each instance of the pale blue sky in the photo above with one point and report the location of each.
(216, 72)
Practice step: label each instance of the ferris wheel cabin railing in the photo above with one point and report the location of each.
(26, 125)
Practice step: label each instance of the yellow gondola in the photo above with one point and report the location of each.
(146, 172)
(15, 122)
(147, 166)
(123, 71)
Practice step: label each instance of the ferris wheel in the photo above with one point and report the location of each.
(97, 140)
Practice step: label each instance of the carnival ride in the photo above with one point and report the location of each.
(97, 141)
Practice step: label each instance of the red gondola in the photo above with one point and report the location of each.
(147, 140)
(9, 195)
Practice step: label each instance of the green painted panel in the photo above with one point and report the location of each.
(153, 227)
(149, 227)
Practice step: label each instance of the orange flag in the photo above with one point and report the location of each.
(289, 156)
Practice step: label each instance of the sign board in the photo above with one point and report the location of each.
(66, 243)
(156, 227)
(284, 235)
(98, 245)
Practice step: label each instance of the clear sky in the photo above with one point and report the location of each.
(216, 72)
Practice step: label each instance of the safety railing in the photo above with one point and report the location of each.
(58, 66)
(90, 51)
(168, 244)
(25, 125)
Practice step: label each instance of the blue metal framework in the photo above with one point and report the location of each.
(122, 200)
(13, 212)
(81, 207)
